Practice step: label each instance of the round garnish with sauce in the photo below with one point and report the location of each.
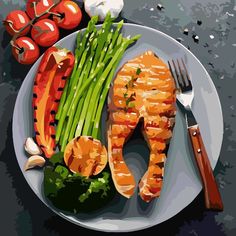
(85, 155)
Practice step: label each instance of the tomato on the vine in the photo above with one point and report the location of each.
(15, 21)
(45, 32)
(69, 14)
(25, 50)
(35, 8)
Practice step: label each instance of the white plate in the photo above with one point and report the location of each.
(181, 183)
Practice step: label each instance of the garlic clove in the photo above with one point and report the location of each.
(31, 147)
(34, 161)
(100, 8)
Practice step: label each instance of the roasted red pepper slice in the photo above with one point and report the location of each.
(55, 67)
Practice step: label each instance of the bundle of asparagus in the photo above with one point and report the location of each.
(97, 55)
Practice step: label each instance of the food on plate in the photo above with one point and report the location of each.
(72, 192)
(69, 94)
(101, 8)
(85, 155)
(55, 67)
(34, 161)
(25, 50)
(67, 15)
(75, 175)
(31, 147)
(45, 32)
(97, 55)
(15, 21)
(143, 90)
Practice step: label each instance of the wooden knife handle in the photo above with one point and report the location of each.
(213, 199)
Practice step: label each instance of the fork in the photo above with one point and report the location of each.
(185, 96)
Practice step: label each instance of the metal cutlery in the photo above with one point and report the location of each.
(185, 96)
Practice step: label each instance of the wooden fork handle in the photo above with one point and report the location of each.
(213, 199)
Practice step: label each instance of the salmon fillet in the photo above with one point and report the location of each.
(143, 89)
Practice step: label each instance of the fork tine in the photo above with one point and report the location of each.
(180, 82)
(172, 73)
(186, 73)
(182, 77)
(174, 76)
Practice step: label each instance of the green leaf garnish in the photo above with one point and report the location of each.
(57, 158)
(138, 71)
(62, 171)
(131, 105)
(125, 95)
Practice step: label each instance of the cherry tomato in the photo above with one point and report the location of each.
(25, 50)
(70, 14)
(45, 32)
(15, 21)
(37, 7)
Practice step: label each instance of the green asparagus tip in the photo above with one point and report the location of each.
(108, 16)
(120, 22)
(78, 39)
(91, 23)
(136, 37)
(94, 19)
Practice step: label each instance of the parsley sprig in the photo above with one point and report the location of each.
(130, 84)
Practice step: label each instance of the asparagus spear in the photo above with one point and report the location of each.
(97, 44)
(74, 106)
(102, 39)
(66, 106)
(82, 127)
(63, 131)
(83, 114)
(94, 100)
(77, 53)
(62, 101)
(75, 80)
(104, 75)
(80, 56)
(77, 115)
(103, 35)
(81, 46)
(85, 74)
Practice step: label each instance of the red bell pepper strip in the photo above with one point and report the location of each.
(55, 67)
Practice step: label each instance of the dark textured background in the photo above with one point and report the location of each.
(22, 213)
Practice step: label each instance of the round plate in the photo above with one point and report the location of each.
(181, 183)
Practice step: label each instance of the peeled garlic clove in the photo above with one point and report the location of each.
(34, 161)
(100, 8)
(31, 147)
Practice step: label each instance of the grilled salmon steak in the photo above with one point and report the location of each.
(143, 89)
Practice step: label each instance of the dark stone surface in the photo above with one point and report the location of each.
(22, 213)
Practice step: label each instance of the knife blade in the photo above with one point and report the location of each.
(190, 119)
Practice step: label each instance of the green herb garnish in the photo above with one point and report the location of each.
(131, 105)
(138, 71)
(74, 193)
(130, 84)
(130, 99)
